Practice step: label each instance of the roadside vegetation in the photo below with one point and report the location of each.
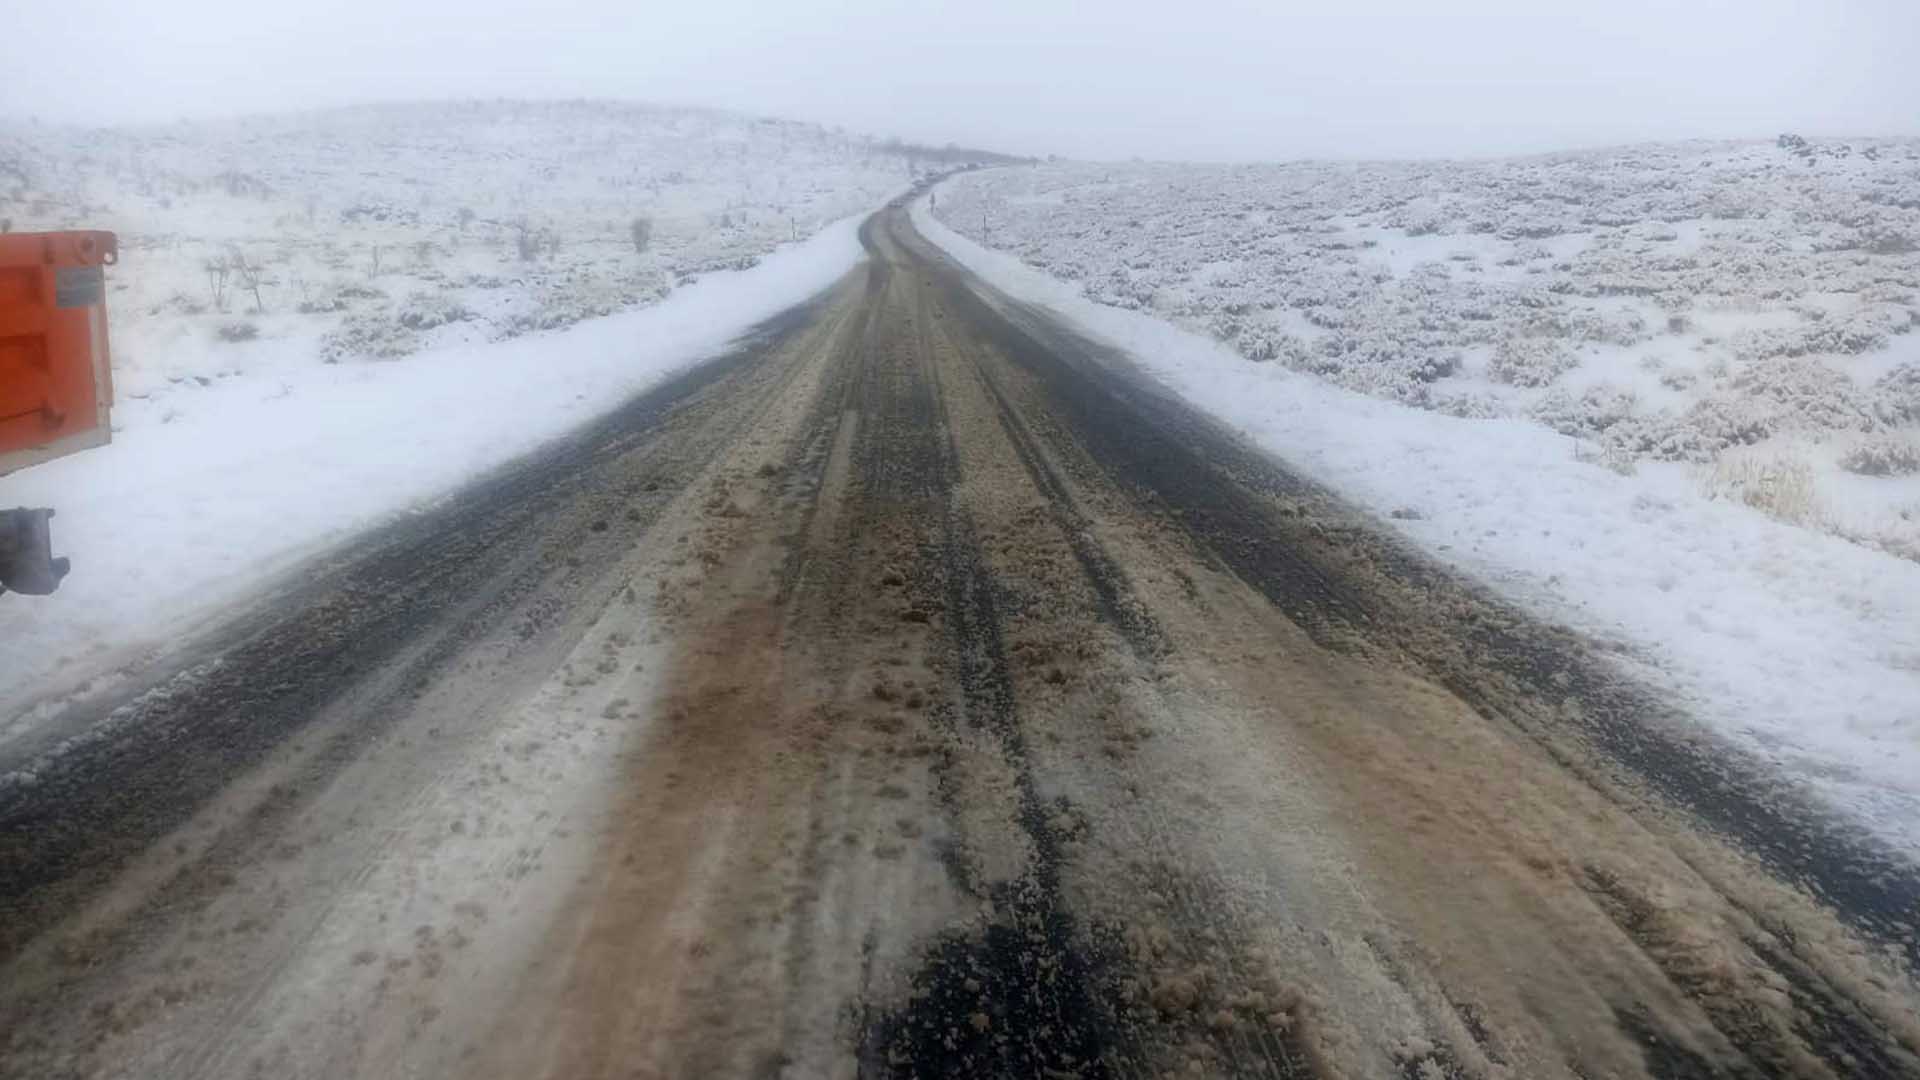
(1745, 310)
(371, 233)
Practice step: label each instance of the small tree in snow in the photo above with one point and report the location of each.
(249, 276)
(642, 232)
(218, 275)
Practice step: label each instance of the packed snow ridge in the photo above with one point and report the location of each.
(1747, 307)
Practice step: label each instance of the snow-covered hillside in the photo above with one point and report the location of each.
(375, 232)
(1744, 308)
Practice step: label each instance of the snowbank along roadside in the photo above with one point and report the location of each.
(1801, 646)
(193, 505)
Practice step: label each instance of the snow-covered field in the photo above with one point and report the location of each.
(376, 232)
(1746, 308)
(368, 390)
(1379, 377)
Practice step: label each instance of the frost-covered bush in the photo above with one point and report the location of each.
(1883, 455)
(369, 335)
(1884, 239)
(1859, 331)
(1380, 365)
(1896, 394)
(338, 296)
(424, 311)
(1466, 406)
(391, 332)
(1588, 325)
(1781, 486)
(567, 302)
(236, 331)
(1804, 395)
(321, 304)
(1261, 343)
(1590, 414)
(1708, 429)
(1530, 361)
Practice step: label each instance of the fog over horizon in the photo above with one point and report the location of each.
(1214, 80)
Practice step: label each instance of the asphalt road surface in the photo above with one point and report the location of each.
(916, 692)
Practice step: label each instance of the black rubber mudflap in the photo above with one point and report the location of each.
(27, 564)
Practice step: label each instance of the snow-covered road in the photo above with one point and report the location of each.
(914, 689)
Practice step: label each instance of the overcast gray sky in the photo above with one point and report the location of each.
(1101, 78)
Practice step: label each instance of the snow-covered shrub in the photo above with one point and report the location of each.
(424, 311)
(1883, 455)
(368, 335)
(1381, 365)
(1530, 361)
(236, 330)
(1706, 429)
(179, 304)
(321, 303)
(1896, 395)
(1609, 456)
(1856, 332)
(1605, 327)
(1261, 343)
(1781, 486)
(1466, 406)
(564, 303)
(531, 243)
(1883, 239)
(1589, 415)
(1804, 395)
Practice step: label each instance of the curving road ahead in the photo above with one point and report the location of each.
(917, 692)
